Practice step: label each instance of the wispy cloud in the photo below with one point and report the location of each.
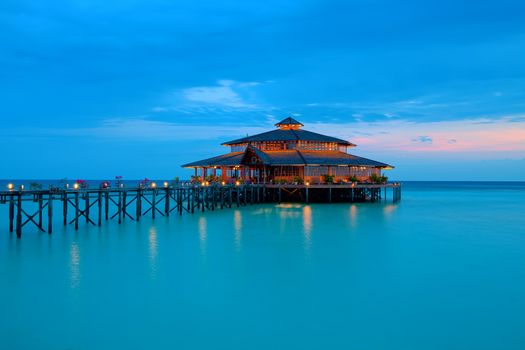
(423, 139)
(141, 129)
(226, 95)
(222, 94)
(505, 135)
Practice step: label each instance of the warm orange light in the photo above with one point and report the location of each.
(75, 186)
(307, 183)
(237, 183)
(10, 187)
(153, 185)
(203, 183)
(223, 183)
(166, 184)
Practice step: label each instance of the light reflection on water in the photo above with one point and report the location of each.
(237, 225)
(307, 229)
(153, 250)
(203, 233)
(74, 265)
(388, 209)
(353, 215)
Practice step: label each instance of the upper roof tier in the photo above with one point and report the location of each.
(289, 123)
(289, 129)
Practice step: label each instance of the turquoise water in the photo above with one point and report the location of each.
(443, 269)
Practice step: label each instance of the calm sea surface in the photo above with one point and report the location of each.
(443, 269)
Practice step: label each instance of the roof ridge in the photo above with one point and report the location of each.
(295, 134)
(301, 155)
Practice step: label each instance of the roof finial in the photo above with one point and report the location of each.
(289, 123)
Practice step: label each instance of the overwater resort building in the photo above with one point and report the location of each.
(289, 154)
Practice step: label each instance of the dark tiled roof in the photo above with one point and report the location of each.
(292, 157)
(337, 158)
(289, 135)
(289, 121)
(285, 158)
(229, 159)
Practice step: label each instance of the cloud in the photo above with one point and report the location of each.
(504, 136)
(226, 93)
(145, 129)
(423, 139)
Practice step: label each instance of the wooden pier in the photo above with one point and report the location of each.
(93, 206)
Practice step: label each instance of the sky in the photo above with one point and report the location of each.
(94, 89)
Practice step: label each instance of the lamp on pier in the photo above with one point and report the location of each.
(75, 186)
(21, 187)
(153, 185)
(166, 184)
(10, 186)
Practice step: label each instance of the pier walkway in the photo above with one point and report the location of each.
(92, 206)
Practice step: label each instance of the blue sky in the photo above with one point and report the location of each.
(94, 89)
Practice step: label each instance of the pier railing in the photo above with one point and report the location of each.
(93, 206)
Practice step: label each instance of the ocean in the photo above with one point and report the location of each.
(442, 269)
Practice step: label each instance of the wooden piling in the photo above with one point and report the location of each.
(99, 204)
(11, 213)
(306, 194)
(106, 205)
(153, 203)
(40, 209)
(77, 211)
(167, 202)
(19, 215)
(65, 204)
(86, 210)
(50, 214)
(138, 204)
(124, 204)
(119, 205)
